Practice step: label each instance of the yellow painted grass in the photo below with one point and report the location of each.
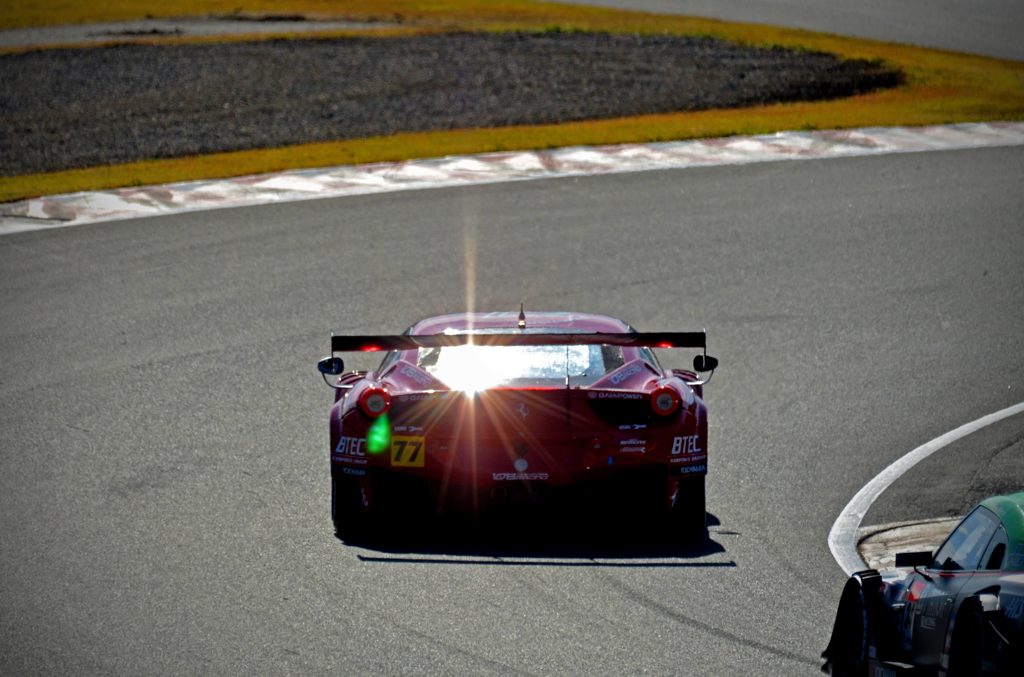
(942, 87)
(28, 13)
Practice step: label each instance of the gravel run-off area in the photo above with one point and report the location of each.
(71, 108)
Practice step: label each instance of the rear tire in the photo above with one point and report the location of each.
(351, 519)
(967, 650)
(688, 517)
(850, 637)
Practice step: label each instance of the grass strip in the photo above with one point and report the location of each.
(941, 88)
(35, 13)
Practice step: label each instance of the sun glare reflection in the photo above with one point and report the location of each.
(467, 368)
(473, 369)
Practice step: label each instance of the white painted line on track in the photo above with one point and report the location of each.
(842, 540)
(58, 211)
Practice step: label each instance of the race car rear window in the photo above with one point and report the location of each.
(966, 545)
(475, 368)
(481, 367)
(993, 558)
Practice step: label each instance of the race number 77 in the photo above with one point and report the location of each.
(407, 451)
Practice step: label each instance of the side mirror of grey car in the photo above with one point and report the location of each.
(913, 559)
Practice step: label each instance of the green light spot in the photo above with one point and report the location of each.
(378, 438)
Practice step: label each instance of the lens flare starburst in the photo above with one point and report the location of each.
(378, 437)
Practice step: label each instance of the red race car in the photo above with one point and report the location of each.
(480, 412)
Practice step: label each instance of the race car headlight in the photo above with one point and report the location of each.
(375, 402)
(664, 401)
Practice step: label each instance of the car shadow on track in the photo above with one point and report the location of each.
(541, 541)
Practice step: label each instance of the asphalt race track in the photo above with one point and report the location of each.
(164, 493)
(163, 462)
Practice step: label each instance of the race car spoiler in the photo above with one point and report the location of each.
(686, 339)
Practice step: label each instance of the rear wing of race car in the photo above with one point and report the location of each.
(689, 339)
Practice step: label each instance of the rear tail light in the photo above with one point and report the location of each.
(664, 401)
(375, 402)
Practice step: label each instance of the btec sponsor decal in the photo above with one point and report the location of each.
(689, 459)
(621, 376)
(355, 472)
(685, 445)
(338, 458)
(351, 446)
(422, 379)
(503, 476)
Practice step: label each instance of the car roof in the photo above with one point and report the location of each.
(510, 320)
(1010, 510)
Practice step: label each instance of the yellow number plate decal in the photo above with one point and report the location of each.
(407, 451)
